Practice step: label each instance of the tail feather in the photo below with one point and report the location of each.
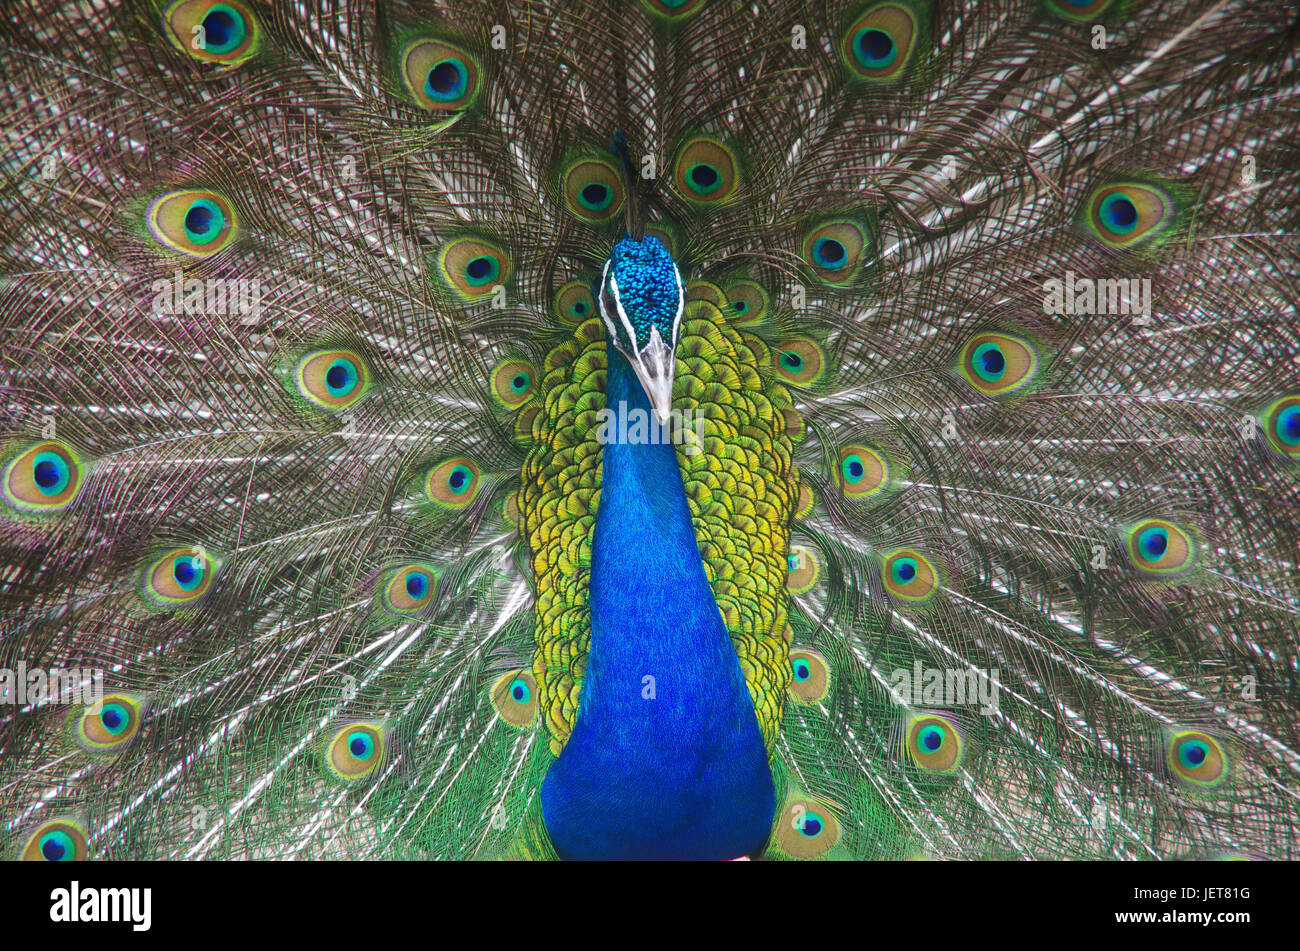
(245, 524)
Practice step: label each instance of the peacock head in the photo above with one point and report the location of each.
(641, 301)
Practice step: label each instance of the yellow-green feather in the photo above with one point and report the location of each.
(742, 487)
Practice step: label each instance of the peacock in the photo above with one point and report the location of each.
(650, 429)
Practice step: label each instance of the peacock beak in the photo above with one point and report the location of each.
(654, 365)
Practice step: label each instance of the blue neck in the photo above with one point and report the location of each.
(672, 767)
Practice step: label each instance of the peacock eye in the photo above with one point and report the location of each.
(706, 171)
(875, 49)
(514, 695)
(356, 751)
(864, 473)
(812, 825)
(1197, 759)
(1128, 214)
(829, 253)
(513, 383)
(798, 361)
(934, 743)
(998, 364)
(574, 303)
(410, 589)
(1153, 543)
(810, 675)
(473, 266)
(60, 840)
(910, 576)
(180, 577)
(226, 29)
(748, 301)
(807, 829)
(836, 250)
(332, 379)
(225, 33)
(57, 846)
(447, 80)
(195, 222)
(880, 43)
(802, 570)
(44, 479)
(1160, 547)
(453, 483)
(439, 76)
(1281, 424)
(110, 728)
(593, 190)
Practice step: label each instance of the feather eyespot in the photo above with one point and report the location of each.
(798, 361)
(574, 303)
(836, 250)
(910, 576)
(1197, 759)
(1159, 547)
(109, 725)
(59, 840)
(863, 473)
(410, 589)
(802, 570)
(332, 379)
(180, 577)
(809, 675)
(44, 479)
(225, 33)
(807, 829)
(880, 43)
(514, 695)
(195, 222)
(706, 172)
(1281, 425)
(454, 483)
(473, 267)
(934, 743)
(997, 364)
(746, 302)
(513, 383)
(1127, 214)
(593, 190)
(356, 751)
(439, 76)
